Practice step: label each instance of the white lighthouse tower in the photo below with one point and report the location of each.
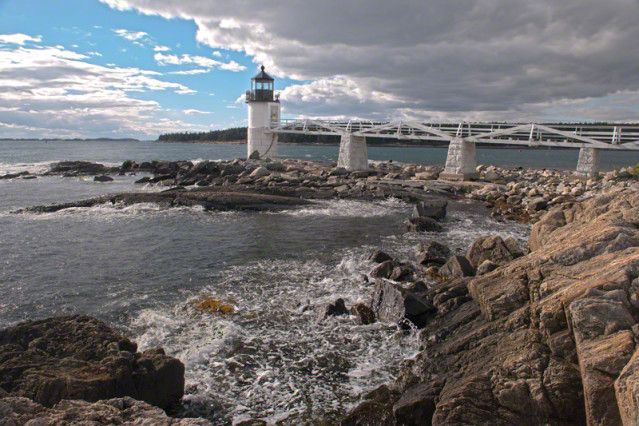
(263, 110)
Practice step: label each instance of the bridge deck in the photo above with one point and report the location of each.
(603, 136)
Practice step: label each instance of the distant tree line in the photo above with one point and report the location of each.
(240, 134)
(226, 135)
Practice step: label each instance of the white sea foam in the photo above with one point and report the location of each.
(33, 168)
(109, 212)
(350, 208)
(272, 360)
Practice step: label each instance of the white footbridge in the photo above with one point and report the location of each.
(462, 137)
(265, 124)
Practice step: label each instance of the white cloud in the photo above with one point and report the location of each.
(170, 59)
(441, 58)
(195, 112)
(160, 48)
(53, 91)
(19, 39)
(131, 35)
(192, 72)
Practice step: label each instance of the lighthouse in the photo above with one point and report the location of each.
(263, 113)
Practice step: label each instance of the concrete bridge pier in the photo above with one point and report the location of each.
(588, 164)
(352, 152)
(461, 162)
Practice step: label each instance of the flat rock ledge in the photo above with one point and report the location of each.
(47, 363)
(208, 199)
(546, 338)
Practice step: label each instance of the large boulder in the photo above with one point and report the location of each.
(384, 269)
(393, 303)
(601, 323)
(363, 313)
(422, 224)
(334, 309)
(379, 256)
(434, 208)
(80, 357)
(432, 252)
(457, 266)
(260, 172)
(77, 168)
(492, 248)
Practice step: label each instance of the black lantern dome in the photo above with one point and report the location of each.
(262, 86)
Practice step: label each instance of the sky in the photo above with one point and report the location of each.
(139, 68)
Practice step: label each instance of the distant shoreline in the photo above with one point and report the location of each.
(69, 140)
(369, 145)
(241, 142)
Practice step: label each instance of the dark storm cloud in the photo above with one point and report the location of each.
(441, 57)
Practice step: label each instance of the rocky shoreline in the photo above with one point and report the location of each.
(76, 369)
(544, 334)
(507, 337)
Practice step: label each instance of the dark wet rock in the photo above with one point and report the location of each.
(384, 269)
(492, 248)
(457, 266)
(486, 267)
(203, 168)
(416, 287)
(536, 204)
(103, 178)
(145, 179)
(434, 208)
(363, 313)
(230, 169)
(339, 171)
(393, 303)
(127, 165)
(422, 224)
(275, 166)
(77, 168)
(432, 252)
(379, 257)
(210, 200)
(24, 175)
(80, 357)
(417, 404)
(401, 273)
(376, 408)
(116, 411)
(334, 309)
(162, 177)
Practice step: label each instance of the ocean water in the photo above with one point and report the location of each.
(143, 269)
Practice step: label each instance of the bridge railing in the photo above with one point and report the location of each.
(607, 136)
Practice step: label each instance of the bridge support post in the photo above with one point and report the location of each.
(461, 162)
(352, 152)
(588, 164)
